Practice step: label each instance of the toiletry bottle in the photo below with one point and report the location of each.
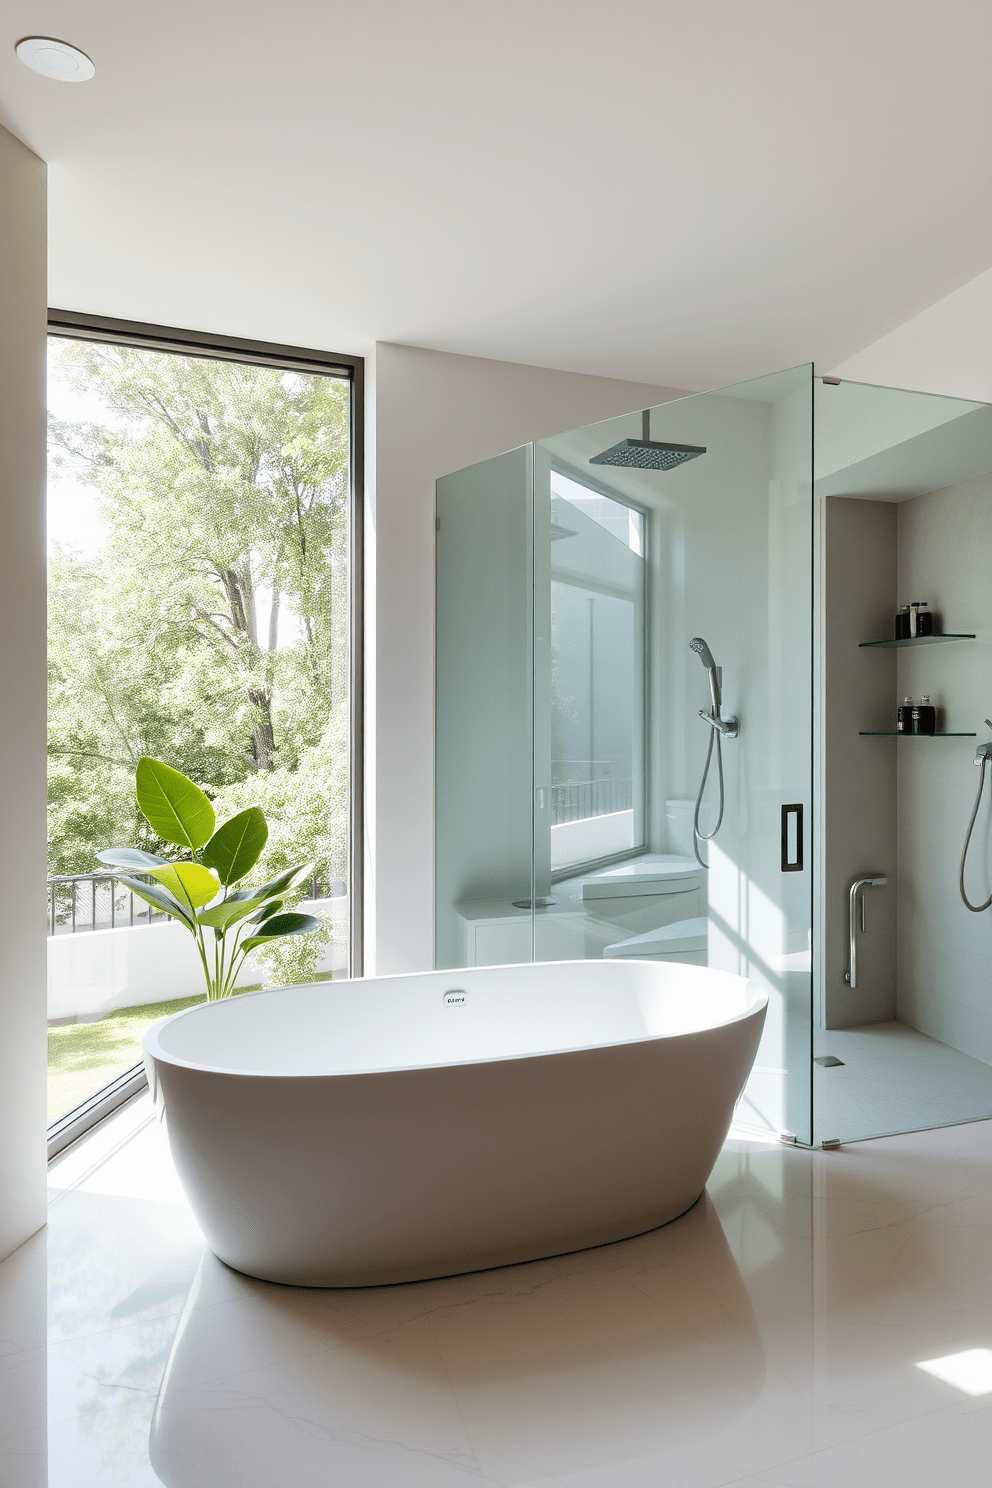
(914, 615)
(924, 618)
(902, 624)
(904, 716)
(927, 714)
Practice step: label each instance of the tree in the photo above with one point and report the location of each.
(211, 630)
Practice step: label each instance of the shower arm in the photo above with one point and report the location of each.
(858, 891)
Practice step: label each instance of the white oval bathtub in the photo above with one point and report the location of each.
(396, 1128)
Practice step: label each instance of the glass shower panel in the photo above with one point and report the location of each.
(692, 522)
(904, 509)
(485, 871)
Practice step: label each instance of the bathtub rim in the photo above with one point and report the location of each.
(151, 1047)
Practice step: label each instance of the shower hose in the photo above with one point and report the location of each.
(975, 908)
(697, 835)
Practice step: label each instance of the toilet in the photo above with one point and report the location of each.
(652, 908)
(629, 900)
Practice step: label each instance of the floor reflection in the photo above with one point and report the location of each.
(547, 1368)
(772, 1336)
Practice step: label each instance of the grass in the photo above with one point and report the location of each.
(83, 1057)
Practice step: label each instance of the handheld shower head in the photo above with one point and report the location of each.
(703, 651)
(705, 655)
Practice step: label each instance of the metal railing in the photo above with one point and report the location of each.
(96, 901)
(577, 800)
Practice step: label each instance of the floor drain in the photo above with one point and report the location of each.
(828, 1061)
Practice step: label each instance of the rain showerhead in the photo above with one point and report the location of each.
(646, 453)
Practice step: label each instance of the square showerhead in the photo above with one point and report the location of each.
(648, 454)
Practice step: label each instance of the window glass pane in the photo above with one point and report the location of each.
(198, 613)
(597, 675)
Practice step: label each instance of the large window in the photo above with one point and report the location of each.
(203, 541)
(597, 675)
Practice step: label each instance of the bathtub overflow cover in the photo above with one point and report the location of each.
(455, 999)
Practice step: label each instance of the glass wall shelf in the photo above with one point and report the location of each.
(891, 734)
(930, 640)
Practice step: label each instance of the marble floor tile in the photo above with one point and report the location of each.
(835, 1467)
(772, 1336)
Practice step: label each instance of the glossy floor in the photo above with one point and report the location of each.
(774, 1335)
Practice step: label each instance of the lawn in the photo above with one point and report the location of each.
(83, 1057)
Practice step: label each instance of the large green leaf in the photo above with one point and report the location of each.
(130, 857)
(189, 883)
(153, 895)
(280, 925)
(173, 806)
(285, 882)
(235, 848)
(267, 911)
(228, 913)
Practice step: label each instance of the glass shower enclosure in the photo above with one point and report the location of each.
(598, 594)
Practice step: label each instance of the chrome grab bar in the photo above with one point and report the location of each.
(858, 892)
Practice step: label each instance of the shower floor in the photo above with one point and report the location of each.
(893, 1079)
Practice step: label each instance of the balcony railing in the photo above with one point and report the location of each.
(96, 901)
(577, 800)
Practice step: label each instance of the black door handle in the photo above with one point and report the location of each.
(788, 865)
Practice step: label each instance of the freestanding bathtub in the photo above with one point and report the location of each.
(397, 1128)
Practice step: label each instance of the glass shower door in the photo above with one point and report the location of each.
(687, 523)
(572, 576)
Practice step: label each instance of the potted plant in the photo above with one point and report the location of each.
(226, 922)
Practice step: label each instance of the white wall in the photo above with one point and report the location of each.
(947, 348)
(431, 413)
(23, 314)
(944, 952)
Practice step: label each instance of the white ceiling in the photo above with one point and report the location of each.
(679, 193)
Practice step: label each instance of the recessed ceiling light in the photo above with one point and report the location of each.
(55, 59)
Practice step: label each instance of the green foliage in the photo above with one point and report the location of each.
(193, 895)
(296, 959)
(174, 808)
(157, 898)
(190, 884)
(234, 850)
(130, 857)
(209, 634)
